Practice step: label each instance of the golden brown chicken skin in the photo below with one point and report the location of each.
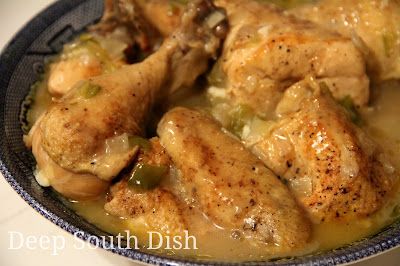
(102, 49)
(85, 134)
(233, 188)
(335, 170)
(158, 207)
(164, 15)
(267, 50)
(76, 128)
(69, 184)
(373, 26)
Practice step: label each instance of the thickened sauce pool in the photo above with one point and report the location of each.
(381, 120)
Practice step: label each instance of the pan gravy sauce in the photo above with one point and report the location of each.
(381, 120)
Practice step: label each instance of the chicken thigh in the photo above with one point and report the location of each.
(335, 170)
(225, 181)
(267, 50)
(373, 25)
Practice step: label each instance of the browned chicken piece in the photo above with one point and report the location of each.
(125, 15)
(162, 14)
(102, 49)
(66, 72)
(373, 26)
(226, 182)
(71, 185)
(87, 131)
(335, 170)
(267, 50)
(158, 208)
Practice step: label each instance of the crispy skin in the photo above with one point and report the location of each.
(335, 170)
(229, 184)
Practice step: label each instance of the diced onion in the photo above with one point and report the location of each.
(264, 31)
(350, 167)
(214, 19)
(359, 43)
(256, 130)
(118, 144)
(43, 181)
(302, 186)
(221, 113)
(114, 47)
(143, 143)
(387, 166)
(384, 4)
(217, 92)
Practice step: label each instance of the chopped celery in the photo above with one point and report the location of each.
(86, 44)
(348, 104)
(145, 176)
(95, 48)
(240, 116)
(324, 87)
(85, 37)
(181, 2)
(214, 19)
(175, 6)
(88, 90)
(139, 141)
(389, 42)
(258, 129)
(288, 3)
(216, 77)
(254, 39)
(396, 212)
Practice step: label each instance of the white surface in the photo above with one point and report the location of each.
(16, 215)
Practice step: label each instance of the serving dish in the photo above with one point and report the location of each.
(20, 65)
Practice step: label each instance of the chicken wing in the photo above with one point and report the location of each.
(373, 26)
(335, 170)
(234, 189)
(157, 208)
